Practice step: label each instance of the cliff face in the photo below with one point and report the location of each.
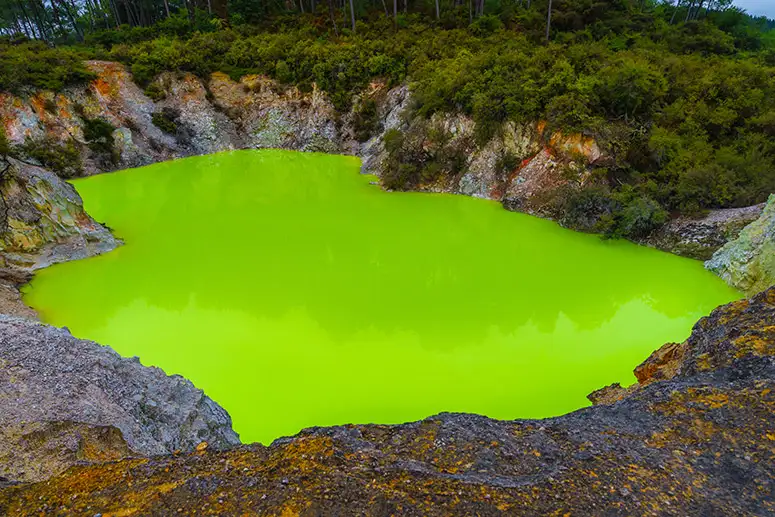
(65, 400)
(694, 437)
(748, 262)
(192, 116)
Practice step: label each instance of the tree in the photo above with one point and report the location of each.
(548, 20)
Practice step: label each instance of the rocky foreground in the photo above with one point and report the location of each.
(64, 400)
(696, 436)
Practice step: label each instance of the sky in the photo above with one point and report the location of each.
(758, 7)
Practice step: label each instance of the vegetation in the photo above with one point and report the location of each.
(679, 93)
(98, 134)
(166, 120)
(64, 159)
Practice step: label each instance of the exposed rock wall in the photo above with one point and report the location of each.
(64, 400)
(46, 222)
(221, 114)
(695, 437)
(748, 262)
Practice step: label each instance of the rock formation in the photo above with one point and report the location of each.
(44, 220)
(694, 437)
(748, 262)
(194, 116)
(65, 400)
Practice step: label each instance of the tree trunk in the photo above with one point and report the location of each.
(437, 10)
(548, 20)
(677, 6)
(699, 8)
(221, 8)
(331, 14)
(395, 14)
(689, 11)
(352, 14)
(167, 7)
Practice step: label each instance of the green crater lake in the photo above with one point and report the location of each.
(296, 293)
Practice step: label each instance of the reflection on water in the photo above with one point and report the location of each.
(296, 294)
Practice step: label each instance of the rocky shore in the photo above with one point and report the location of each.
(64, 400)
(85, 432)
(192, 116)
(693, 437)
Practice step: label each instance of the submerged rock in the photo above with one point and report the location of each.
(695, 437)
(748, 262)
(65, 400)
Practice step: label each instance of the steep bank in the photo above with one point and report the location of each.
(64, 400)
(528, 168)
(694, 437)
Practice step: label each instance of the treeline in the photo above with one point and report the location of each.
(73, 20)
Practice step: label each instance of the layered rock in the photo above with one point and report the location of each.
(66, 400)
(748, 262)
(44, 220)
(113, 97)
(695, 437)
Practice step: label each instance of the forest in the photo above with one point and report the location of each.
(680, 93)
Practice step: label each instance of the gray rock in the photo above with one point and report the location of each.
(56, 389)
(699, 238)
(46, 220)
(748, 262)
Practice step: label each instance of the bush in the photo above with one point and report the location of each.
(166, 120)
(365, 120)
(62, 158)
(98, 134)
(33, 64)
(155, 92)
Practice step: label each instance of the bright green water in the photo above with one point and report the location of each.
(297, 294)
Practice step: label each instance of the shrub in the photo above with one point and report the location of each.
(98, 134)
(365, 120)
(62, 158)
(166, 120)
(155, 92)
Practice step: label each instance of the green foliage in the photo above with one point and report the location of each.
(427, 154)
(485, 25)
(98, 134)
(683, 110)
(62, 158)
(5, 145)
(624, 213)
(166, 120)
(32, 64)
(155, 92)
(365, 119)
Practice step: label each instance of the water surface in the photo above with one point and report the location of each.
(295, 293)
